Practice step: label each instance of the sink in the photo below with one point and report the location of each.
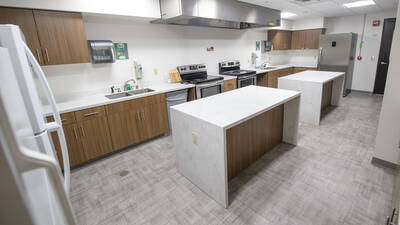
(269, 67)
(129, 93)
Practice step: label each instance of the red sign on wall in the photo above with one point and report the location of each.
(376, 23)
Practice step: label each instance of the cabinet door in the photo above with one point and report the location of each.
(95, 135)
(312, 38)
(230, 85)
(273, 79)
(286, 37)
(262, 80)
(24, 19)
(154, 120)
(62, 37)
(298, 39)
(124, 128)
(74, 145)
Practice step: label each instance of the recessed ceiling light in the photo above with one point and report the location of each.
(359, 3)
(285, 15)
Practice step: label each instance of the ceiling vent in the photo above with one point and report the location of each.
(305, 2)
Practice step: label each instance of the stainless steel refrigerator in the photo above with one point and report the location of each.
(337, 53)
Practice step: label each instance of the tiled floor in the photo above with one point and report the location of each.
(328, 179)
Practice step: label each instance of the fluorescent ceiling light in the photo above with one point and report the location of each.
(287, 14)
(359, 4)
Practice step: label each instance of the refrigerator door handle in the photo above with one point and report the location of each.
(29, 160)
(319, 57)
(56, 125)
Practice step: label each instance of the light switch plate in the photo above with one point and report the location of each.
(194, 137)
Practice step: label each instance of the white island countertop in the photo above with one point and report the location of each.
(94, 100)
(313, 76)
(230, 108)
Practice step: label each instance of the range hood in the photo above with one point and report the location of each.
(217, 13)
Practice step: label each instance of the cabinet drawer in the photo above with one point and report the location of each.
(66, 118)
(91, 113)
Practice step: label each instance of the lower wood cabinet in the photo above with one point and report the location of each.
(137, 120)
(274, 75)
(97, 131)
(230, 85)
(262, 79)
(95, 136)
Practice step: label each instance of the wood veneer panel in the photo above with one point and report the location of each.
(250, 140)
(326, 95)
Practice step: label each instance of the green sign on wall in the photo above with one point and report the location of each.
(121, 51)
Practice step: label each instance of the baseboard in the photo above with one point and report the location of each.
(384, 163)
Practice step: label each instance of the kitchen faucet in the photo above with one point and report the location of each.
(136, 86)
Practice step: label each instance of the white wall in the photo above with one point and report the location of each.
(365, 70)
(387, 140)
(138, 8)
(156, 46)
(308, 23)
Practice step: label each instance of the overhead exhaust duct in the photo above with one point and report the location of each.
(230, 14)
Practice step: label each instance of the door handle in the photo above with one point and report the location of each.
(143, 114)
(47, 55)
(384, 63)
(76, 136)
(138, 115)
(90, 114)
(38, 55)
(83, 132)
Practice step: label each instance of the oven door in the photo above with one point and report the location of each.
(247, 81)
(209, 89)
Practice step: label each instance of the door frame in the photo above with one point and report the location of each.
(380, 50)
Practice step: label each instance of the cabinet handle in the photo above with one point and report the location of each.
(47, 55)
(38, 56)
(143, 114)
(76, 136)
(138, 115)
(83, 132)
(90, 114)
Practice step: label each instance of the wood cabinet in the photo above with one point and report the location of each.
(72, 137)
(274, 75)
(62, 37)
(191, 94)
(25, 20)
(281, 39)
(230, 85)
(262, 79)
(301, 69)
(53, 37)
(137, 120)
(306, 39)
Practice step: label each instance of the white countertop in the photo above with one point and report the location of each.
(93, 100)
(313, 76)
(280, 67)
(230, 108)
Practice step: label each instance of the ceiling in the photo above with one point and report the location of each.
(326, 8)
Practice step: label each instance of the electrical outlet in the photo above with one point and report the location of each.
(155, 71)
(194, 137)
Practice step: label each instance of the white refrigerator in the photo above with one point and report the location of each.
(33, 190)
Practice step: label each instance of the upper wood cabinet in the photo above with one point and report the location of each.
(306, 39)
(281, 40)
(53, 37)
(62, 37)
(25, 20)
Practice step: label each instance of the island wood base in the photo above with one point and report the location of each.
(250, 140)
(326, 95)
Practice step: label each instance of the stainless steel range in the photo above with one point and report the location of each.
(244, 77)
(206, 85)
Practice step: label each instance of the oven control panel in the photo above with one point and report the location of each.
(192, 68)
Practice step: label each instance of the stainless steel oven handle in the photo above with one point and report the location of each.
(209, 84)
(247, 77)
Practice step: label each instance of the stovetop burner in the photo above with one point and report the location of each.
(238, 72)
(232, 68)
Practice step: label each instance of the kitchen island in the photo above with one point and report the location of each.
(217, 137)
(319, 89)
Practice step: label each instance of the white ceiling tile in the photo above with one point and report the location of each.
(327, 8)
